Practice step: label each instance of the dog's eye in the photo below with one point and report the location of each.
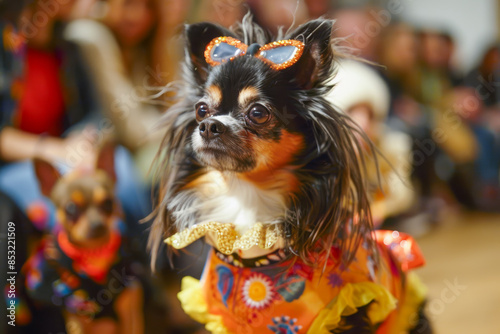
(72, 211)
(201, 111)
(107, 206)
(258, 114)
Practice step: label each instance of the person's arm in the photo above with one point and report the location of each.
(75, 150)
(19, 145)
(131, 118)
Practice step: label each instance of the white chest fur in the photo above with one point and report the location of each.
(230, 199)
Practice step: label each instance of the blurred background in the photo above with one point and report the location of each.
(77, 73)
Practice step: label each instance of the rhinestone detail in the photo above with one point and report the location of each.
(227, 239)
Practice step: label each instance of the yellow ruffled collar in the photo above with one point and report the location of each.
(227, 240)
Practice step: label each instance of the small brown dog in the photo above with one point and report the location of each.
(79, 266)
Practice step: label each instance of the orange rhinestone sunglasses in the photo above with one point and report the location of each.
(278, 55)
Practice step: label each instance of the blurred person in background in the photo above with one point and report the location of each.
(484, 83)
(436, 73)
(50, 110)
(485, 77)
(466, 155)
(397, 51)
(38, 68)
(456, 149)
(272, 15)
(452, 139)
(359, 26)
(45, 92)
(445, 147)
(437, 52)
(223, 12)
(485, 176)
(360, 92)
(131, 55)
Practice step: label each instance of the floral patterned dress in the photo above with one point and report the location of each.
(273, 294)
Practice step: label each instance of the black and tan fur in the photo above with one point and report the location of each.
(247, 143)
(302, 162)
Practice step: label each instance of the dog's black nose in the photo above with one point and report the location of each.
(97, 229)
(211, 128)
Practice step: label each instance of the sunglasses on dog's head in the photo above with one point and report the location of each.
(279, 55)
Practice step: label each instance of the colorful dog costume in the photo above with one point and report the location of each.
(83, 282)
(270, 295)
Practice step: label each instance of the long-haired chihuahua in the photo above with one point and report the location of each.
(257, 162)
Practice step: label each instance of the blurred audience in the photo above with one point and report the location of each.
(484, 180)
(485, 78)
(39, 68)
(480, 106)
(48, 93)
(366, 100)
(451, 154)
(398, 52)
(437, 50)
(124, 49)
(51, 110)
(437, 75)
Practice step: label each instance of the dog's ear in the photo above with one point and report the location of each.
(198, 36)
(106, 160)
(315, 64)
(46, 174)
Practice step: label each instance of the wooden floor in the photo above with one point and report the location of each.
(463, 273)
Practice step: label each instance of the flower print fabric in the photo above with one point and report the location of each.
(245, 296)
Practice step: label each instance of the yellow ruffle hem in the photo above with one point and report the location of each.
(194, 304)
(351, 297)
